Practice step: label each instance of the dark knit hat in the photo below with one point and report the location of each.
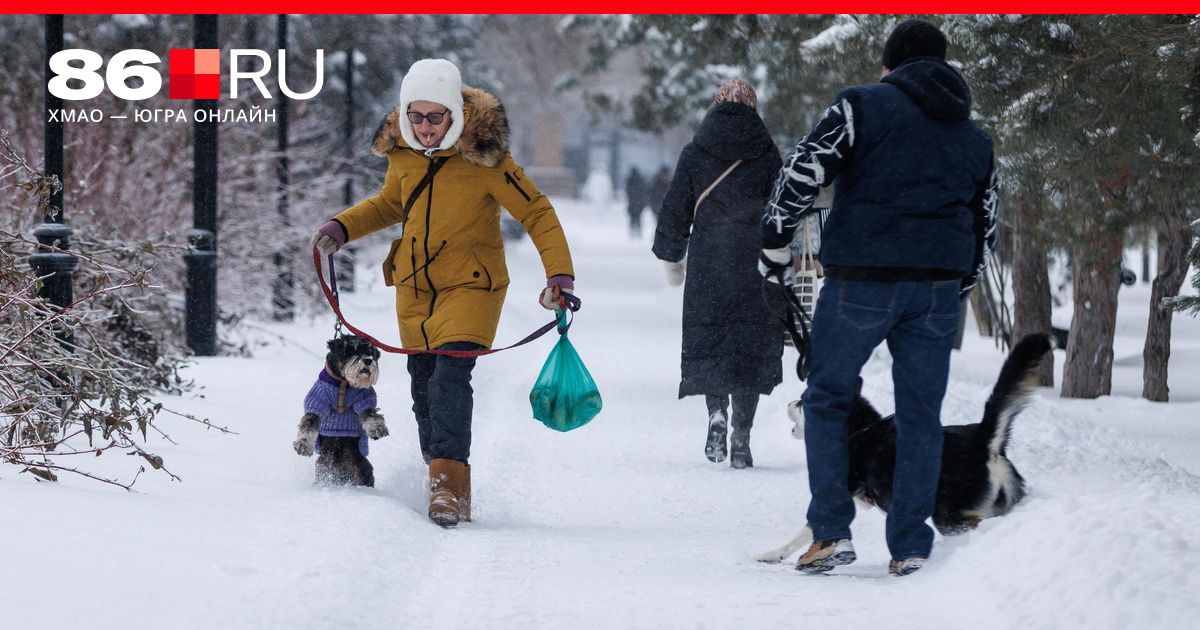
(913, 38)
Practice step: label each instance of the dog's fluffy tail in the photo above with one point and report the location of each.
(1013, 390)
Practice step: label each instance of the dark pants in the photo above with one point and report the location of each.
(744, 406)
(918, 320)
(441, 392)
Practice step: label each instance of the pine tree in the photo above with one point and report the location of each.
(1190, 304)
(797, 63)
(1088, 118)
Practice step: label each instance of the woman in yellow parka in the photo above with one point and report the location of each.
(449, 171)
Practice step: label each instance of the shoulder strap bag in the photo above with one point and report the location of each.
(713, 185)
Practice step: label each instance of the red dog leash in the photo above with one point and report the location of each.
(566, 303)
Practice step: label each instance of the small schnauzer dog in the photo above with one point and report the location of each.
(340, 414)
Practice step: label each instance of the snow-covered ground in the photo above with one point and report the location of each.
(620, 524)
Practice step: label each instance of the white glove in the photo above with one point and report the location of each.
(327, 246)
(774, 262)
(675, 271)
(555, 285)
(326, 239)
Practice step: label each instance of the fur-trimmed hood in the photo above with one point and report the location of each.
(484, 139)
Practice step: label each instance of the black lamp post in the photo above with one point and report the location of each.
(56, 267)
(348, 255)
(283, 305)
(201, 259)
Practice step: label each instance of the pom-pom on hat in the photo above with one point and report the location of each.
(913, 38)
(437, 81)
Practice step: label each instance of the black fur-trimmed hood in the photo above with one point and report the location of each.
(484, 139)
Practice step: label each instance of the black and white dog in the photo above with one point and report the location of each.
(977, 481)
(340, 414)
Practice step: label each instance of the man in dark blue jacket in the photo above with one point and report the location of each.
(912, 224)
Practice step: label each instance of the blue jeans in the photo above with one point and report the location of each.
(919, 321)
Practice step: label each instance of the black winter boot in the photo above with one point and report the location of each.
(744, 406)
(715, 447)
(739, 449)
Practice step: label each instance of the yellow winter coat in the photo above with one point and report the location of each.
(448, 267)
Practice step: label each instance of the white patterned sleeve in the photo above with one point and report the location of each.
(816, 160)
(984, 207)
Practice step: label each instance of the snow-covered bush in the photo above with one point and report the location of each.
(79, 381)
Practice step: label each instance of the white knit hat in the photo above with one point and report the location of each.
(437, 81)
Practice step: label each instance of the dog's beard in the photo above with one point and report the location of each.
(359, 375)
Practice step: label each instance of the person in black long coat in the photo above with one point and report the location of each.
(732, 344)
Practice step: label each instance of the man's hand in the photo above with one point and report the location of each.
(776, 264)
(330, 238)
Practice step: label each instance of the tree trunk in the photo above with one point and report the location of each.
(1146, 261)
(1031, 284)
(1088, 370)
(1173, 242)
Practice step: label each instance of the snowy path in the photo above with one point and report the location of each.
(621, 524)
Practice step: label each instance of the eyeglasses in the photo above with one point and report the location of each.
(434, 118)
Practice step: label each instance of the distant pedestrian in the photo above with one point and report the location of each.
(637, 196)
(732, 345)
(906, 240)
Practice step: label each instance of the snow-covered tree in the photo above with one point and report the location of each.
(81, 380)
(1190, 304)
(797, 63)
(1091, 136)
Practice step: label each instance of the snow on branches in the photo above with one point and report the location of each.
(80, 381)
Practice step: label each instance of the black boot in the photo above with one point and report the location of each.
(739, 449)
(744, 406)
(718, 426)
(716, 448)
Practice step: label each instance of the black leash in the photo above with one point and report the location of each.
(794, 320)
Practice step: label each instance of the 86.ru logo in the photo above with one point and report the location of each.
(194, 73)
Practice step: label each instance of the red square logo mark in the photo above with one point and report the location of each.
(195, 73)
(183, 86)
(183, 61)
(207, 86)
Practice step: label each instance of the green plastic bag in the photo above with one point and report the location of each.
(565, 396)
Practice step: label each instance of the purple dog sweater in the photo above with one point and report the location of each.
(340, 418)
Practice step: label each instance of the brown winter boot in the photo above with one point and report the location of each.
(464, 499)
(446, 477)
